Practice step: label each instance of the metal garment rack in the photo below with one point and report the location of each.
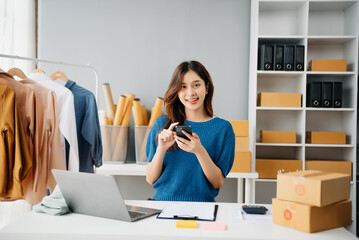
(37, 60)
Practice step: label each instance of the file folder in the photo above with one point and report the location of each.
(279, 57)
(337, 94)
(327, 92)
(266, 55)
(299, 58)
(314, 94)
(289, 57)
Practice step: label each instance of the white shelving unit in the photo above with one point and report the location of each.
(328, 30)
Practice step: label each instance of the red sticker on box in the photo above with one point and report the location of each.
(300, 189)
(287, 215)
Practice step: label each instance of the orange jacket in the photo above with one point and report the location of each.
(15, 161)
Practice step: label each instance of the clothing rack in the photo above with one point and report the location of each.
(37, 60)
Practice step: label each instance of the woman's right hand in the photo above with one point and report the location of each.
(166, 137)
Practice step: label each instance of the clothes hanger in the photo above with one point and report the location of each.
(17, 72)
(38, 71)
(58, 74)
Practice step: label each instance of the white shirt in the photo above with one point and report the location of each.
(67, 119)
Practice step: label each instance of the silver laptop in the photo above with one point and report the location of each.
(97, 195)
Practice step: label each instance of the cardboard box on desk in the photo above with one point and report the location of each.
(338, 166)
(268, 168)
(328, 65)
(325, 137)
(242, 144)
(310, 218)
(271, 99)
(242, 162)
(240, 127)
(278, 136)
(313, 187)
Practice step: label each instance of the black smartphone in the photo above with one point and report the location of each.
(179, 129)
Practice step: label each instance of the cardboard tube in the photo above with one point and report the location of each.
(107, 142)
(144, 116)
(109, 100)
(119, 110)
(137, 112)
(120, 149)
(157, 110)
(128, 109)
(106, 121)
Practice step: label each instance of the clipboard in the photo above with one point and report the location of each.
(189, 211)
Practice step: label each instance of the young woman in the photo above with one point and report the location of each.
(194, 169)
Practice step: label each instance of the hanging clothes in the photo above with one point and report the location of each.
(66, 110)
(48, 150)
(88, 127)
(14, 153)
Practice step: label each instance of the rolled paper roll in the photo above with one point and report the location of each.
(120, 147)
(107, 141)
(128, 109)
(137, 112)
(119, 110)
(157, 110)
(109, 100)
(144, 116)
(106, 121)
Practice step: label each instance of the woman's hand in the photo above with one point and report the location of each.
(166, 137)
(192, 145)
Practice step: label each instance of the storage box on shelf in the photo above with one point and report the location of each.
(327, 30)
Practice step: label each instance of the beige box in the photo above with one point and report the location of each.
(268, 168)
(311, 219)
(240, 127)
(325, 137)
(242, 144)
(328, 65)
(338, 166)
(313, 187)
(278, 136)
(271, 99)
(242, 162)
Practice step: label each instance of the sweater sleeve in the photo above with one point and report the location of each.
(226, 156)
(151, 145)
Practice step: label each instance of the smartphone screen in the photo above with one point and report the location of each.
(179, 129)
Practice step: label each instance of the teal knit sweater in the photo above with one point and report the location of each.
(182, 177)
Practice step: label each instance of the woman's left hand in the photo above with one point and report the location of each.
(193, 145)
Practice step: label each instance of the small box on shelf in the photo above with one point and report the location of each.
(272, 99)
(314, 137)
(277, 136)
(268, 168)
(328, 65)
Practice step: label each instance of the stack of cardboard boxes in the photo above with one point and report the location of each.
(243, 157)
(312, 201)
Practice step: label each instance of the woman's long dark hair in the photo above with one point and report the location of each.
(174, 108)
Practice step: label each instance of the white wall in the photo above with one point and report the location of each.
(135, 45)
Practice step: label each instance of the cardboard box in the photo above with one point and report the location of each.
(313, 187)
(242, 144)
(268, 168)
(326, 137)
(271, 99)
(328, 65)
(311, 219)
(278, 136)
(338, 166)
(240, 127)
(242, 162)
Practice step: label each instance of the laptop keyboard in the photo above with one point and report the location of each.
(135, 214)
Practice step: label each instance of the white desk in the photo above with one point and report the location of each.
(38, 226)
(132, 169)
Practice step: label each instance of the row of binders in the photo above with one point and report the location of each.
(325, 94)
(281, 57)
(120, 115)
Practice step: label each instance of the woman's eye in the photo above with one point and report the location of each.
(183, 87)
(197, 85)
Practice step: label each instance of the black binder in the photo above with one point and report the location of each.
(289, 57)
(314, 94)
(337, 94)
(299, 58)
(327, 94)
(279, 57)
(265, 58)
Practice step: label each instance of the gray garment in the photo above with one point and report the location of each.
(54, 204)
